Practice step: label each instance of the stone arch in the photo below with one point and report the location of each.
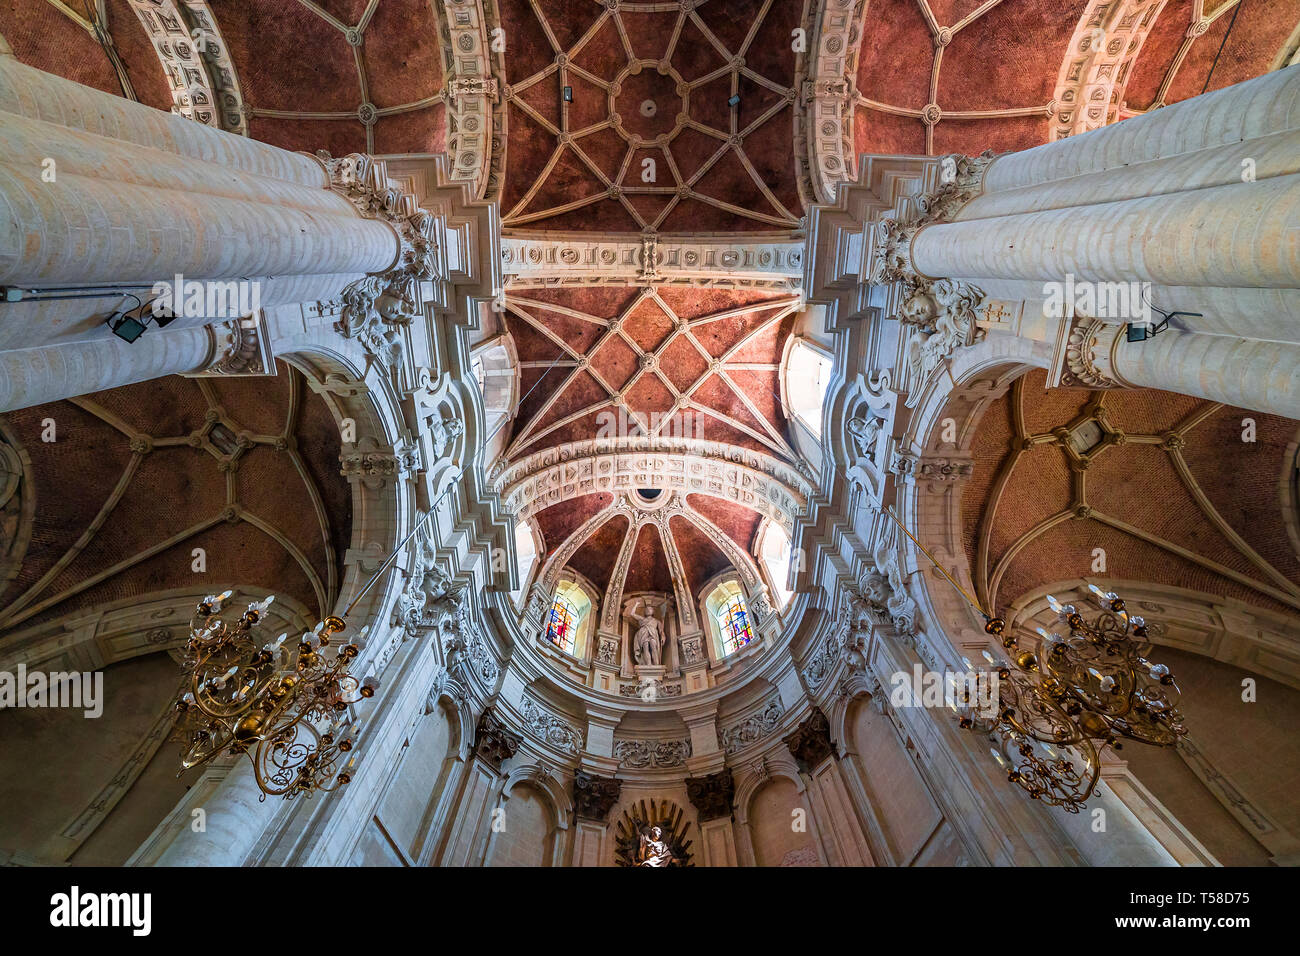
(519, 847)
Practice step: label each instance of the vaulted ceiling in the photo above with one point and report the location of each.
(1173, 489)
(111, 494)
(678, 118)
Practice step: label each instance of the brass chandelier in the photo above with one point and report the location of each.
(1088, 691)
(285, 710)
(1085, 692)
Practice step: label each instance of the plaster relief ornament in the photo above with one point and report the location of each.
(864, 429)
(648, 642)
(377, 307)
(654, 837)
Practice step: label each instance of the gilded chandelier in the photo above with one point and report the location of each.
(1087, 691)
(284, 710)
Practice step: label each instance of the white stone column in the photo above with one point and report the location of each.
(99, 193)
(1200, 200)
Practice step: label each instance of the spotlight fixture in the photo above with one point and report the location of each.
(126, 327)
(735, 100)
(568, 94)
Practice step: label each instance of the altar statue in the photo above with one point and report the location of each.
(648, 642)
(654, 850)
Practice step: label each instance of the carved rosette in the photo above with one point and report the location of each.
(493, 742)
(377, 307)
(811, 743)
(712, 796)
(593, 796)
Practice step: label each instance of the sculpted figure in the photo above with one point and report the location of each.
(648, 641)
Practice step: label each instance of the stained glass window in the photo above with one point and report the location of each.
(562, 625)
(733, 621)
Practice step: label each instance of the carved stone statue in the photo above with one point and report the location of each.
(654, 849)
(648, 641)
(864, 430)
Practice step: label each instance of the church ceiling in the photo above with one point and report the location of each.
(1171, 493)
(607, 362)
(137, 478)
(943, 76)
(678, 117)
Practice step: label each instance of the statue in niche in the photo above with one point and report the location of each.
(864, 430)
(654, 850)
(648, 641)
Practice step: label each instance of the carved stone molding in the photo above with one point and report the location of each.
(551, 729)
(471, 91)
(652, 754)
(377, 307)
(493, 742)
(752, 728)
(829, 96)
(194, 59)
(810, 743)
(240, 348)
(593, 796)
(712, 796)
(1106, 43)
(1087, 352)
(620, 260)
(757, 481)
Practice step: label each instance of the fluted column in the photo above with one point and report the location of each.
(100, 194)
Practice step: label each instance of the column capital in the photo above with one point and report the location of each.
(376, 307)
(1084, 354)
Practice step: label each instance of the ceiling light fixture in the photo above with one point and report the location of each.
(1085, 692)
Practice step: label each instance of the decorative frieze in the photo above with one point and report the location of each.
(752, 728)
(549, 728)
(620, 260)
(652, 754)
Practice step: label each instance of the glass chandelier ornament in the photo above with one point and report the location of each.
(285, 710)
(1086, 692)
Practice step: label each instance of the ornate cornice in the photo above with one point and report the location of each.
(471, 91)
(828, 94)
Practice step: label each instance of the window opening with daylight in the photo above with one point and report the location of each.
(807, 374)
(562, 625)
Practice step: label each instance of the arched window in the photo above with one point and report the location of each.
(774, 551)
(566, 618)
(730, 616)
(807, 374)
(525, 555)
(562, 625)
